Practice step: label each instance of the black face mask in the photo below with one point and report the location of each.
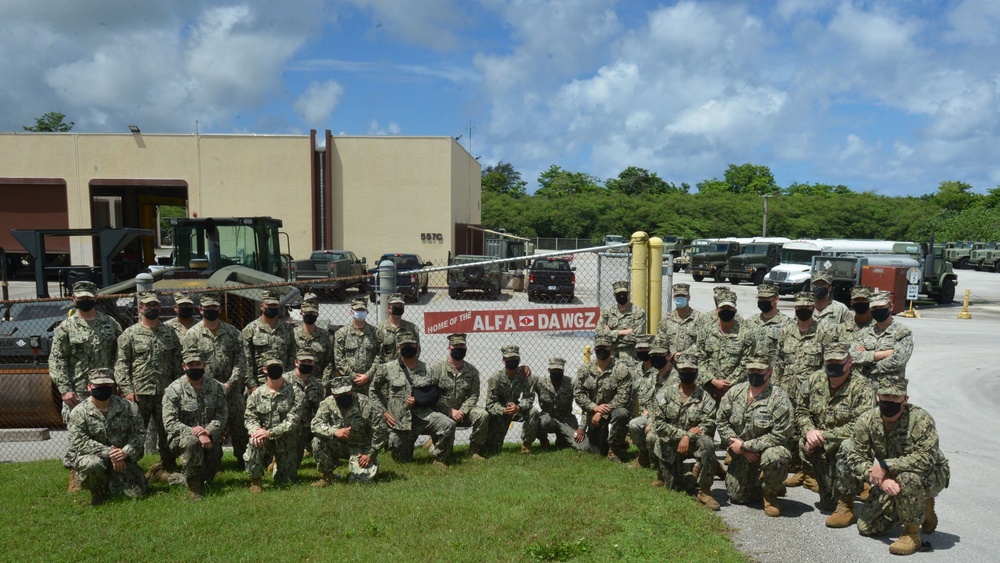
(756, 379)
(102, 393)
(408, 351)
(85, 305)
(458, 354)
(860, 308)
(344, 401)
(556, 377)
(889, 409)
(726, 315)
(803, 314)
(210, 314)
(688, 377)
(821, 292)
(310, 319)
(194, 374)
(621, 298)
(306, 369)
(880, 315)
(398, 311)
(512, 363)
(602, 353)
(643, 356)
(185, 312)
(275, 372)
(270, 312)
(151, 314)
(765, 306)
(834, 370)
(658, 362)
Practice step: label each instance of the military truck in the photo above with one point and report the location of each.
(984, 256)
(479, 274)
(683, 262)
(673, 246)
(958, 253)
(753, 263)
(710, 262)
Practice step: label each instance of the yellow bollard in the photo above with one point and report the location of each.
(965, 314)
(586, 354)
(640, 255)
(654, 313)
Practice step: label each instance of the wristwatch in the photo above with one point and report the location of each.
(882, 463)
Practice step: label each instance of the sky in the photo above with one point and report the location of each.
(893, 97)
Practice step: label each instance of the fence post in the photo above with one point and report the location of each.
(655, 312)
(640, 255)
(386, 287)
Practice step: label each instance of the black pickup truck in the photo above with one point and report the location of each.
(551, 278)
(323, 264)
(411, 281)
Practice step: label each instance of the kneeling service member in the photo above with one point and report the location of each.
(106, 438)
(603, 391)
(755, 421)
(555, 414)
(459, 384)
(346, 427)
(272, 420)
(509, 397)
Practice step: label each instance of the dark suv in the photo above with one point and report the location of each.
(551, 278)
(476, 276)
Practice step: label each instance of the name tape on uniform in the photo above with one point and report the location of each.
(517, 320)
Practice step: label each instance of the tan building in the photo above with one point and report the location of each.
(366, 194)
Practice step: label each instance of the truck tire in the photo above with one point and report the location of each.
(474, 273)
(719, 278)
(494, 294)
(698, 277)
(531, 297)
(453, 292)
(734, 281)
(963, 264)
(758, 277)
(947, 295)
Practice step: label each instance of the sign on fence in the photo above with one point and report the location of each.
(517, 320)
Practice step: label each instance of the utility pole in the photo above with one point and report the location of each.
(765, 196)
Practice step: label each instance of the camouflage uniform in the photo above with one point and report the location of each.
(91, 435)
(801, 353)
(769, 331)
(647, 387)
(354, 351)
(555, 411)
(502, 389)
(366, 424)
(260, 341)
(676, 333)
(392, 383)
(672, 417)
(765, 426)
(914, 459)
(175, 323)
(385, 333)
(613, 387)
(896, 337)
(633, 317)
(279, 412)
(225, 362)
(460, 390)
(723, 355)
(834, 413)
(148, 361)
(320, 342)
(835, 313)
(312, 396)
(847, 331)
(185, 407)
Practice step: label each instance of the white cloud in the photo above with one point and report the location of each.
(392, 129)
(318, 102)
(428, 23)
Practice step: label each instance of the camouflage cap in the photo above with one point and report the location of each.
(643, 341)
(836, 351)
(84, 289)
(457, 338)
(758, 362)
(269, 297)
(405, 337)
(880, 299)
(511, 351)
(822, 277)
(208, 299)
(719, 289)
(659, 347)
(359, 304)
(805, 299)
(602, 340)
(682, 289)
(271, 360)
(310, 302)
(860, 292)
(101, 376)
(892, 386)
(190, 355)
(620, 286)
(183, 298)
(767, 290)
(557, 363)
(397, 299)
(725, 299)
(687, 361)
(149, 297)
(305, 354)
(340, 385)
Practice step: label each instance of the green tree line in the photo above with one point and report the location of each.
(578, 205)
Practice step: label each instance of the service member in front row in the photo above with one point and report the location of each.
(555, 414)
(603, 390)
(647, 386)
(106, 438)
(509, 397)
(272, 421)
(305, 378)
(347, 426)
(459, 384)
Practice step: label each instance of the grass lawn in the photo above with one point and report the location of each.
(547, 506)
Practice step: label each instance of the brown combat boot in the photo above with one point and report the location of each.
(930, 517)
(696, 470)
(74, 482)
(729, 458)
(771, 505)
(796, 480)
(474, 454)
(843, 516)
(428, 444)
(720, 471)
(325, 480)
(441, 464)
(98, 495)
(525, 449)
(613, 457)
(811, 483)
(642, 460)
(865, 492)
(705, 498)
(255, 487)
(194, 490)
(908, 543)
(153, 474)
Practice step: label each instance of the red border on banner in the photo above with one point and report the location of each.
(563, 319)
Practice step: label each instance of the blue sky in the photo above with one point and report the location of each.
(894, 97)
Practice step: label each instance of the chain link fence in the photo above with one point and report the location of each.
(548, 305)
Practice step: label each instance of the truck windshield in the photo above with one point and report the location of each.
(718, 247)
(223, 245)
(328, 256)
(755, 249)
(794, 256)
